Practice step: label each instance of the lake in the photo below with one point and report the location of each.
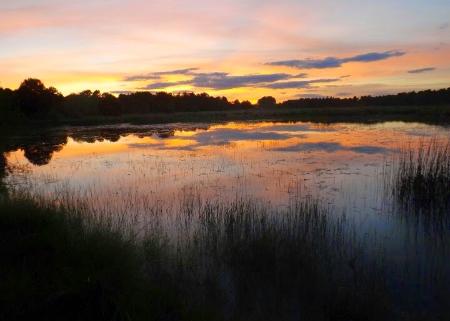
(186, 180)
(342, 164)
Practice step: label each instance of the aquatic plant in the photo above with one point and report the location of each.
(420, 180)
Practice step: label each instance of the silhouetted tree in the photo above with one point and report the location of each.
(2, 165)
(246, 104)
(421, 98)
(267, 102)
(109, 105)
(35, 100)
(7, 111)
(83, 104)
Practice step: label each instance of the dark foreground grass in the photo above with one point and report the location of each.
(211, 261)
(249, 263)
(54, 268)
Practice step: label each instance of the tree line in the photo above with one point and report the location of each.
(33, 100)
(36, 101)
(414, 98)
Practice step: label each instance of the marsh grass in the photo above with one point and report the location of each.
(417, 185)
(252, 262)
(209, 261)
(419, 180)
(54, 268)
(201, 260)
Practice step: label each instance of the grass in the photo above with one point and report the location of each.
(210, 260)
(53, 267)
(254, 264)
(420, 181)
(235, 262)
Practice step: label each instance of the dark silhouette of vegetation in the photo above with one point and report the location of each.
(40, 153)
(54, 267)
(420, 184)
(267, 102)
(3, 165)
(58, 267)
(236, 261)
(32, 100)
(85, 103)
(420, 98)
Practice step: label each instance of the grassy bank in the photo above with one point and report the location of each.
(235, 262)
(54, 267)
(210, 261)
(428, 114)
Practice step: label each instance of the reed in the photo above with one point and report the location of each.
(420, 181)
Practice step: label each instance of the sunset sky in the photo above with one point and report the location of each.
(236, 48)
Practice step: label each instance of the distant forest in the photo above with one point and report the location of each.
(33, 100)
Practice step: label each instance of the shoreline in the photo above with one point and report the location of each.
(370, 114)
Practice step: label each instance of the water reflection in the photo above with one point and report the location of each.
(284, 137)
(151, 170)
(332, 148)
(3, 164)
(39, 148)
(265, 160)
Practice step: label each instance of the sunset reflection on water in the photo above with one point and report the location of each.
(340, 164)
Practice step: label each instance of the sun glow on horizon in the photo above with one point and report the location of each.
(241, 50)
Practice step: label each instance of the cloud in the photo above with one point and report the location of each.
(121, 92)
(373, 56)
(220, 81)
(443, 26)
(421, 70)
(344, 94)
(185, 71)
(310, 96)
(334, 62)
(142, 77)
(225, 81)
(165, 84)
(329, 62)
(157, 75)
(298, 83)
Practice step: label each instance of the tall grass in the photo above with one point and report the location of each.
(208, 260)
(420, 181)
(52, 267)
(418, 185)
(251, 262)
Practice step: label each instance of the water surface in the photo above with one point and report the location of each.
(342, 164)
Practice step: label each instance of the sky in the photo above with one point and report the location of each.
(241, 49)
